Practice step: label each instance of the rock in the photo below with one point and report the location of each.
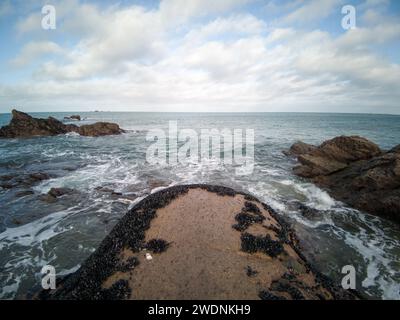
(73, 117)
(24, 193)
(24, 180)
(355, 171)
(47, 198)
(299, 148)
(58, 192)
(181, 229)
(39, 176)
(332, 155)
(54, 193)
(99, 129)
(396, 149)
(24, 126)
(348, 149)
(313, 166)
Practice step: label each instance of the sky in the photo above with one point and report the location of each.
(200, 55)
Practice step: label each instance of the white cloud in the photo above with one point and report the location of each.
(313, 10)
(167, 58)
(181, 10)
(34, 50)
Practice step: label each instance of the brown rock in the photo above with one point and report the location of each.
(355, 171)
(73, 117)
(348, 149)
(58, 192)
(23, 125)
(299, 148)
(99, 129)
(24, 193)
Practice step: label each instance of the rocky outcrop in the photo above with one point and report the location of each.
(22, 180)
(73, 117)
(23, 125)
(355, 171)
(172, 245)
(99, 129)
(54, 193)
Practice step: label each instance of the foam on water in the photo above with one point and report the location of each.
(66, 236)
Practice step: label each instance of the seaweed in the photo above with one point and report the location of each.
(267, 295)
(157, 245)
(252, 244)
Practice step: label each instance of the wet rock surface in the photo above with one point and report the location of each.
(23, 125)
(73, 117)
(22, 180)
(355, 171)
(118, 269)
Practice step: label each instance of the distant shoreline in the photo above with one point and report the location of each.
(211, 112)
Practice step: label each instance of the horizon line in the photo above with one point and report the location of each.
(214, 112)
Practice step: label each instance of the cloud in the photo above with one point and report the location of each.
(212, 56)
(34, 50)
(182, 10)
(313, 10)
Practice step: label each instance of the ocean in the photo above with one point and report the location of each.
(110, 174)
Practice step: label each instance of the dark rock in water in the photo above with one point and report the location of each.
(396, 149)
(24, 126)
(306, 211)
(47, 198)
(73, 117)
(22, 180)
(54, 193)
(58, 192)
(99, 129)
(355, 171)
(334, 155)
(24, 193)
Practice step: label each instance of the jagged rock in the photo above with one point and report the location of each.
(355, 171)
(24, 126)
(332, 155)
(73, 117)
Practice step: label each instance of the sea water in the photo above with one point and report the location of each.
(34, 233)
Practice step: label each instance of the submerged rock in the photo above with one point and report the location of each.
(22, 180)
(54, 193)
(196, 253)
(24, 126)
(354, 170)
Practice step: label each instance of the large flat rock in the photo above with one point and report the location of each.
(198, 242)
